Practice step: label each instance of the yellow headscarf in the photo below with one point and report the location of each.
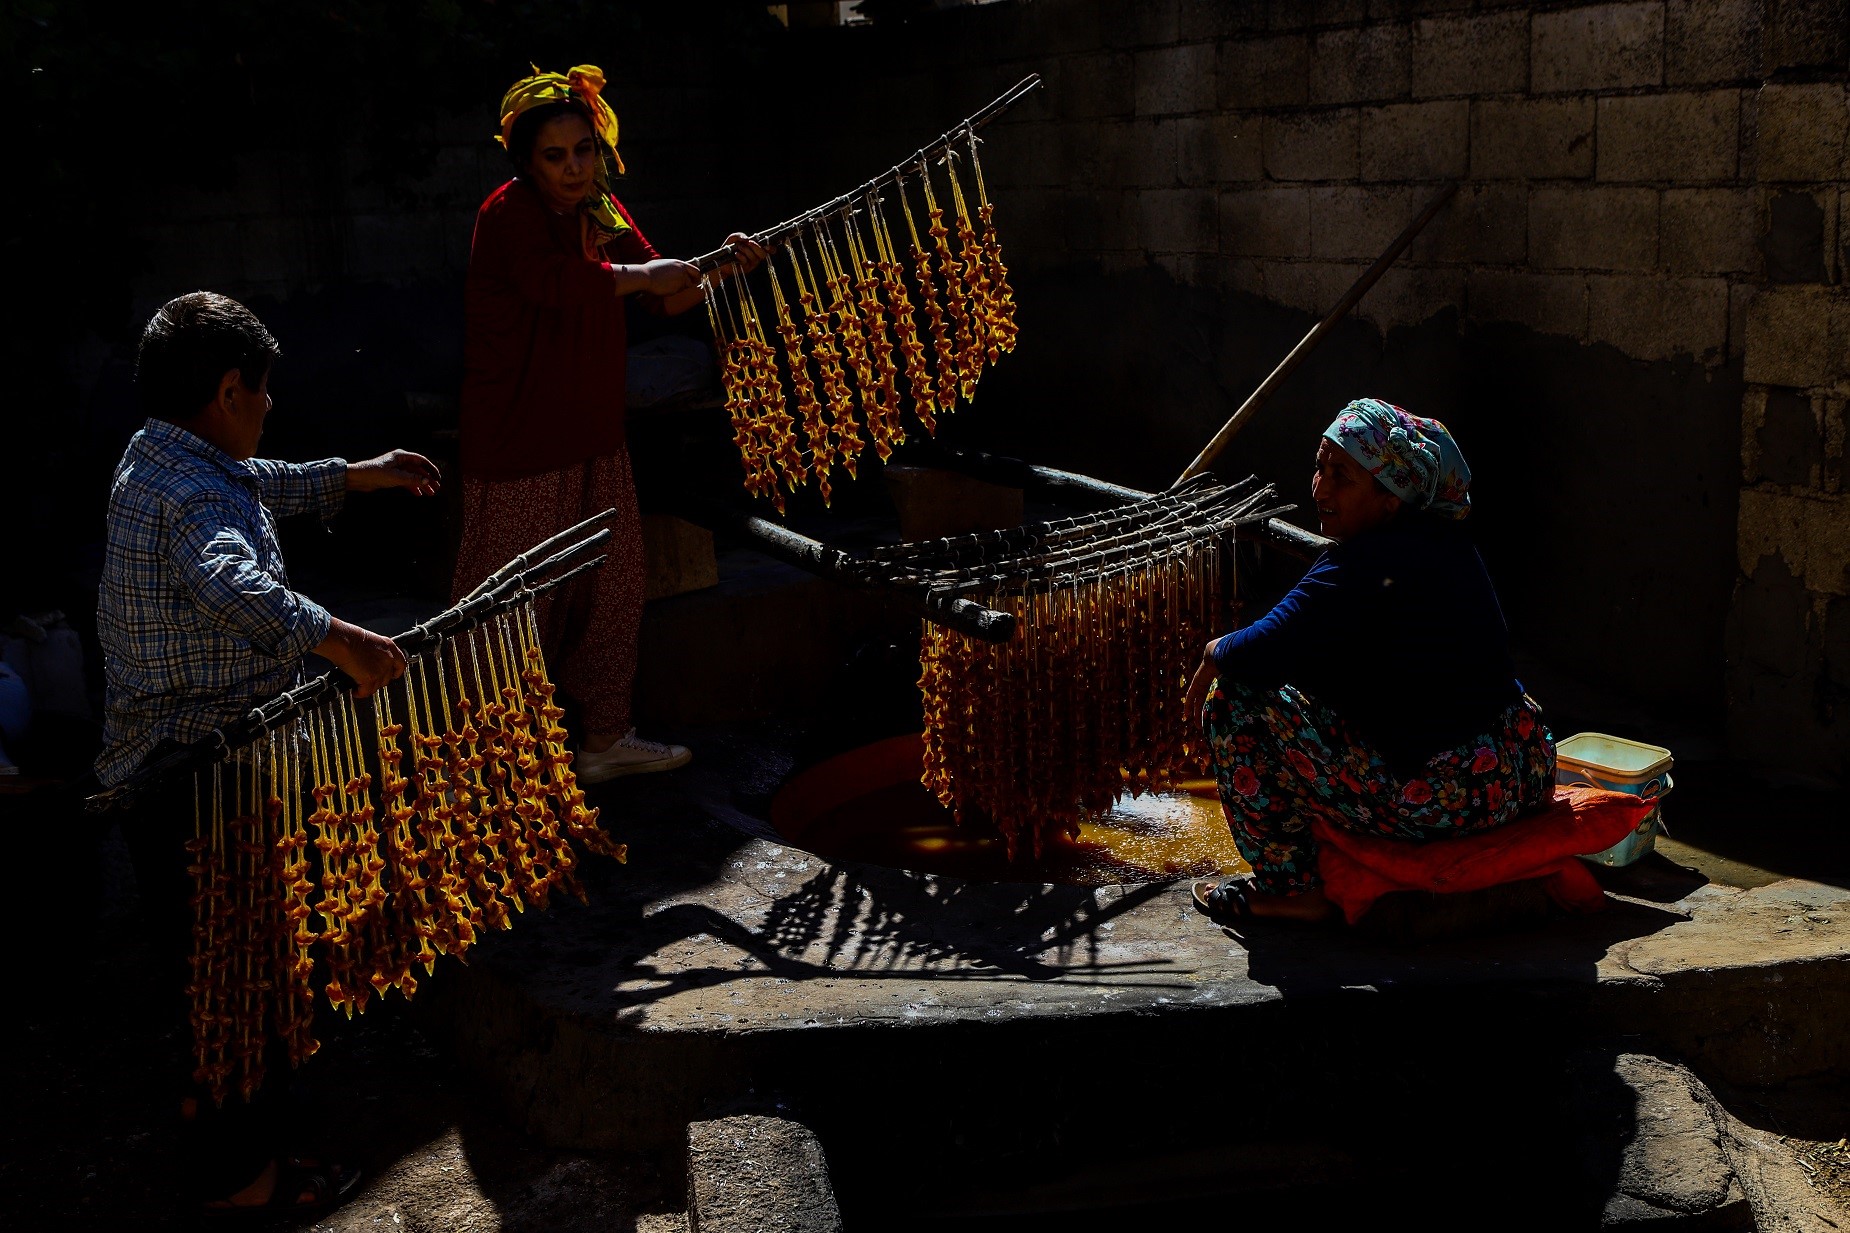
(582, 85)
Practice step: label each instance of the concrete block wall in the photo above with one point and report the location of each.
(1618, 159)
(1652, 191)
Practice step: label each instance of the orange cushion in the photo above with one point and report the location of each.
(1359, 869)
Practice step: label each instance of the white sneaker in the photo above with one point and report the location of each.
(629, 756)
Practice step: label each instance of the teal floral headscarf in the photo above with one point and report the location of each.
(1416, 459)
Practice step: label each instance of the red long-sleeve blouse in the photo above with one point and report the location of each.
(545, 342)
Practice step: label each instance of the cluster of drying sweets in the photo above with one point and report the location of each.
(314, 864)
(849, 332)
(1084, 703)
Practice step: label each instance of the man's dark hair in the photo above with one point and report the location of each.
(189, 346)
(527, 129)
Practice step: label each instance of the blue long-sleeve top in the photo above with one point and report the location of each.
(1398, 630)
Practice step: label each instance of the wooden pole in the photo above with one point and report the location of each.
(1256, 399)
(782, 544)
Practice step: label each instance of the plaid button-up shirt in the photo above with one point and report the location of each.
(195, 613)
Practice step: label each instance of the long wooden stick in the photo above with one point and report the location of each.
(824, 561)
(1256, 399)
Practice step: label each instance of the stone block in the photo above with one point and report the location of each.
(1264, 72)
(1532, 138)
(1654, 1118)
(1220, 19)
(1336, 12)
(1113, 264)
(1836, 643)
(1740, 298)
(1319, 145)
(1787, 445)
(1090, 221)
(1546, 303)
(1709, 231)
(1483, 53)
(1652, 318)
(1597, 47)
(1808, 533)
(1300, 14)
(1034, 219)
(1059, 29)
(1790, 338)
(1711, 41)
(1357, 222)
(1220, 149)
(393, 246)
(1360, 64)
(1145, 24)
(758, 1175)
(1794, 241)
(454, 177)
(679, 557)
(1485, 224)
(1186, 269)
(1024, 155)
(1593, 228)
(1095, 85)
(1408, 296)
(1309, 286)
(274, 251)
(1265, 222)
(1178, 220)
(1806, 34)
(1416, 141)
(1175, 80)
(1801, 131)
(1136, 154)
(934, 503)
(1241, 274)
(1683, 137)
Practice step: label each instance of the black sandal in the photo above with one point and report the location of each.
(329, 1184)
(1223, 900)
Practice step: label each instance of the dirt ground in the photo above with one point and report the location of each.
(92, 1142)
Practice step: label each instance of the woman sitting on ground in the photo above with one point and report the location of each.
(1379, 694)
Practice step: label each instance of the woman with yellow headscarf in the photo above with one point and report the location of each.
(554, 259)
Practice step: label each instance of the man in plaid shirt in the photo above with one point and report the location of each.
(198, 624)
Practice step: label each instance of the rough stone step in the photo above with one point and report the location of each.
(1650, 1134)
(750, 1174)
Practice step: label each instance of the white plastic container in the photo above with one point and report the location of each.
(1595, 760)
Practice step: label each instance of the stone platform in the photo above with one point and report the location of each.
(724, 971)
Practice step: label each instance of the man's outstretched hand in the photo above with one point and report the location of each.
(395, 469)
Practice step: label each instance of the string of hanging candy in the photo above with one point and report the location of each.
(1084, 704)
(848, 325)
(338, 854)
(338, 845)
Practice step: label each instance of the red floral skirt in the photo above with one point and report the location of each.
(1281, 758)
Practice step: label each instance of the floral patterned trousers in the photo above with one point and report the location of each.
(589, 630)
(1282, 758)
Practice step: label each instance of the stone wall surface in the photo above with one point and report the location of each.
(1633, 313)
